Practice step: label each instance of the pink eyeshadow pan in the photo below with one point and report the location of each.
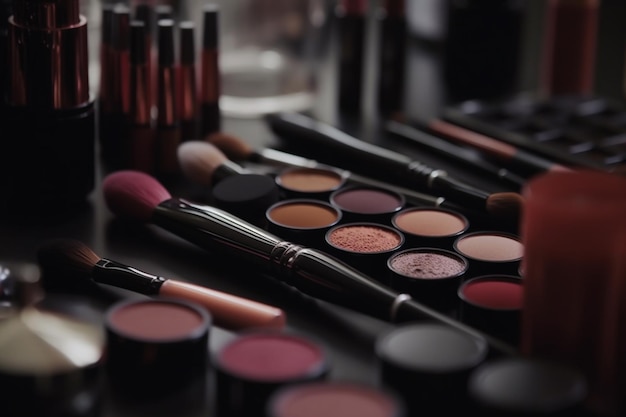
(272, 357)
(333, 399)
(364, 238)
(156, 320)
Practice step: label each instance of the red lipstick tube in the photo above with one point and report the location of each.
(49, 156)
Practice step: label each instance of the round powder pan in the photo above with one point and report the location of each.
(367, 204)
(303, 221)
(518, 386)
(430, 275)
(255, 364)
(430, 226)
(157, 342)
(334, 399)
(428, 366)
(493, 304)
(490, 252)
(305, 182)
(366, 246)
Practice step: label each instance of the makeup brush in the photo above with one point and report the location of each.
(534, 164)
(137, 196)
(205, 164)
(237, 149)
(76, 261)
(470, 157)
(301, 128)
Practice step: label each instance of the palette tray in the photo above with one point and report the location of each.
(574, 131)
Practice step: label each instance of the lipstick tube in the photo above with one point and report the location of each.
(49, 154)
(168, 119)
(210, 75)
(188, 97)
(141, 133)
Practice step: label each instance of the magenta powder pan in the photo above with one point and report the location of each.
(430, 275)
(335, 399)
(252, 366)
(157, 342)
(367, 204)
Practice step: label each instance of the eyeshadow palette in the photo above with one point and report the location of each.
(574, 131)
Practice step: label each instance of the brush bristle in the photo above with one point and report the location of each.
(232, 146)
(67, 258)
(133, 194)
(506, 205)
(199, 159)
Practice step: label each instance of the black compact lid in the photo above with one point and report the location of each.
(527, 387)
(247, 196)
(430, 348)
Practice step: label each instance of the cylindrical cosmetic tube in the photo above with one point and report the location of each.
(334, 399)
(255, 364)
(369, 204)
(574, 229)
(493, 304)
(365, 246)
(49, 154)
(428, 365)
(490, 252)
(157, 342)
(317, 183)
(302, 221)
(430, 275)
(428, 226)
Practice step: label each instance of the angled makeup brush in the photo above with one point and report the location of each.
(139, 197)
(237, 149)
(405, 170)
(76, 261)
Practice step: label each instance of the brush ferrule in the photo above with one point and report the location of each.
(124, 276)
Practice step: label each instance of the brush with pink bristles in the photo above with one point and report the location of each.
(137, 196)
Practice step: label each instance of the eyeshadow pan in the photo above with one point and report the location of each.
(364, 238)
(430, 222)
(490, 247)
(334, 399)
(302, 214)
(271, 357)
(366, 200)
(155, 320)
(309, 180)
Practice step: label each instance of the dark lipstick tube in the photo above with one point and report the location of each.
(210, 74)
(311, 271)
(141, 134)
(48, 146)
(351, 42)
(168, 120)
(188, 99)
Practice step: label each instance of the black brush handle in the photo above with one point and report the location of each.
(401, 167)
